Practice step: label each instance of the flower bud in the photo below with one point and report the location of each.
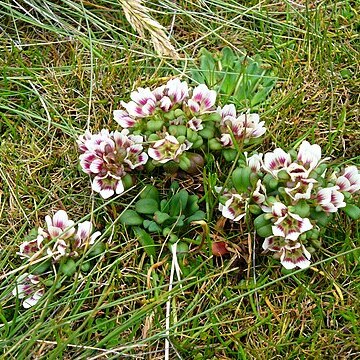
(255, 209)
(184, 163)
(127, 181)
(196, 163)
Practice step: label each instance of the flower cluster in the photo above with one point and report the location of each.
(109, 156)
(60, 241)
(159, 128)
(294, 195)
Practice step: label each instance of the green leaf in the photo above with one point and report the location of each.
(352, 211)
(146, 206)
(178, 203)
(264, 231)
(198, 215)
(40, 268)
(68, 268)
(208, 66)
(241, 179)
(192, 205)
(160, 217)
(150, 192)
(97, 249)
(145, 240)
(131, 218)
(227, 57)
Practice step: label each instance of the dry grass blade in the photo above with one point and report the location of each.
(141, 21)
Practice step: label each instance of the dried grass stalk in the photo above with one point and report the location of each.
(141, 21)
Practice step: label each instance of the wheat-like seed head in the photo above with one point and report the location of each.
(141, 21)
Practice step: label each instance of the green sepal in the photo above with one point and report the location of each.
(261, 221)
(191, 135)
(207, 132)
(85, 266)
(170, 115)
(198, 143)
(184, 162)
(255, 209)
(302, 208)
(215, 145)
(127, 181)
(153, 138)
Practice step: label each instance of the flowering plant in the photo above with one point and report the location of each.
(59, 243)
(294, 196)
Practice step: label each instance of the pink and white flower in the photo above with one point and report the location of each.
(59, 226)
(276, 161)
(288, 225)
(234, 208)
(124, 119)
(143, 103)
(202, 100)
(195, 124)
(29, 288)
(176, 90)
(330, 199)
(245, 126)
(292, 254)
(29, 248)
(254, 162)
(309, 155)
(168, 149)
(259, 196)
(301, 189)
(350, 180)
(227, 113)
(109, 156)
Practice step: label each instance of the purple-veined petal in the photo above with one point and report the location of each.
(195, 124)
(123, 119)
(193, 106)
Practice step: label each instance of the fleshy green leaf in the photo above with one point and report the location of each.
(145, 240)
(131, 218)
